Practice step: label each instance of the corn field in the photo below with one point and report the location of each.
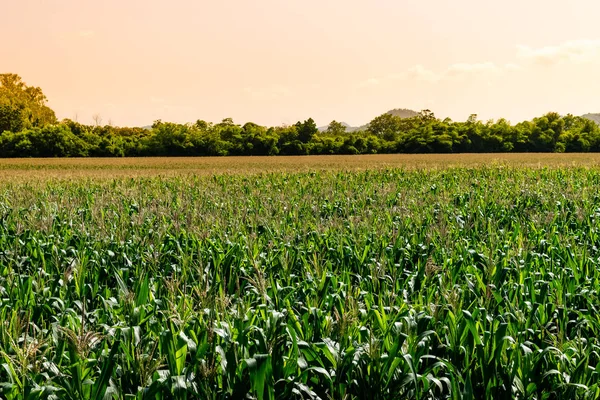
(453, 283)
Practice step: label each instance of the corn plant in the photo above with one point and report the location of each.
(452, 283)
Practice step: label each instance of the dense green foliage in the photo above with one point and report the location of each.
(28, 128)
(22, 106)
(456, 283)
(385, 134)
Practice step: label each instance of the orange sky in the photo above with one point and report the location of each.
(279, 61)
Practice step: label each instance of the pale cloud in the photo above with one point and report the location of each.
(529, 58)
(472, 69)
(512, 67)
(421, 73)
(575, 51)
(274, 92)
(369, 83)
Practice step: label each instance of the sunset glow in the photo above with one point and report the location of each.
(274, 61)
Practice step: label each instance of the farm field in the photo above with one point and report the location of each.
(347, 277)
(68, 168)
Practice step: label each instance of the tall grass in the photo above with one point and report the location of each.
(386, 284)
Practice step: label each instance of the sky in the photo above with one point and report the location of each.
(274, 62)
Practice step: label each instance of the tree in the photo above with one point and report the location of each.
(97, 119)
(258, 140)
(170, 139)
(55, 141)
(428, 116)
(336, 128)
(306, 130)
(11, 119)
(545, 131)
(386, 126)
(203, 125)
(28, 100)
(226, 122)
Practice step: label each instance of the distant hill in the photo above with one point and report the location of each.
(403, 113)
(399, 112)
(348, 127)
(594, 117)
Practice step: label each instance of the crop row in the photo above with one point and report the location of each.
(459, 283)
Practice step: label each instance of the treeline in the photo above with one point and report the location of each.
(385, 134)
(28, 128)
